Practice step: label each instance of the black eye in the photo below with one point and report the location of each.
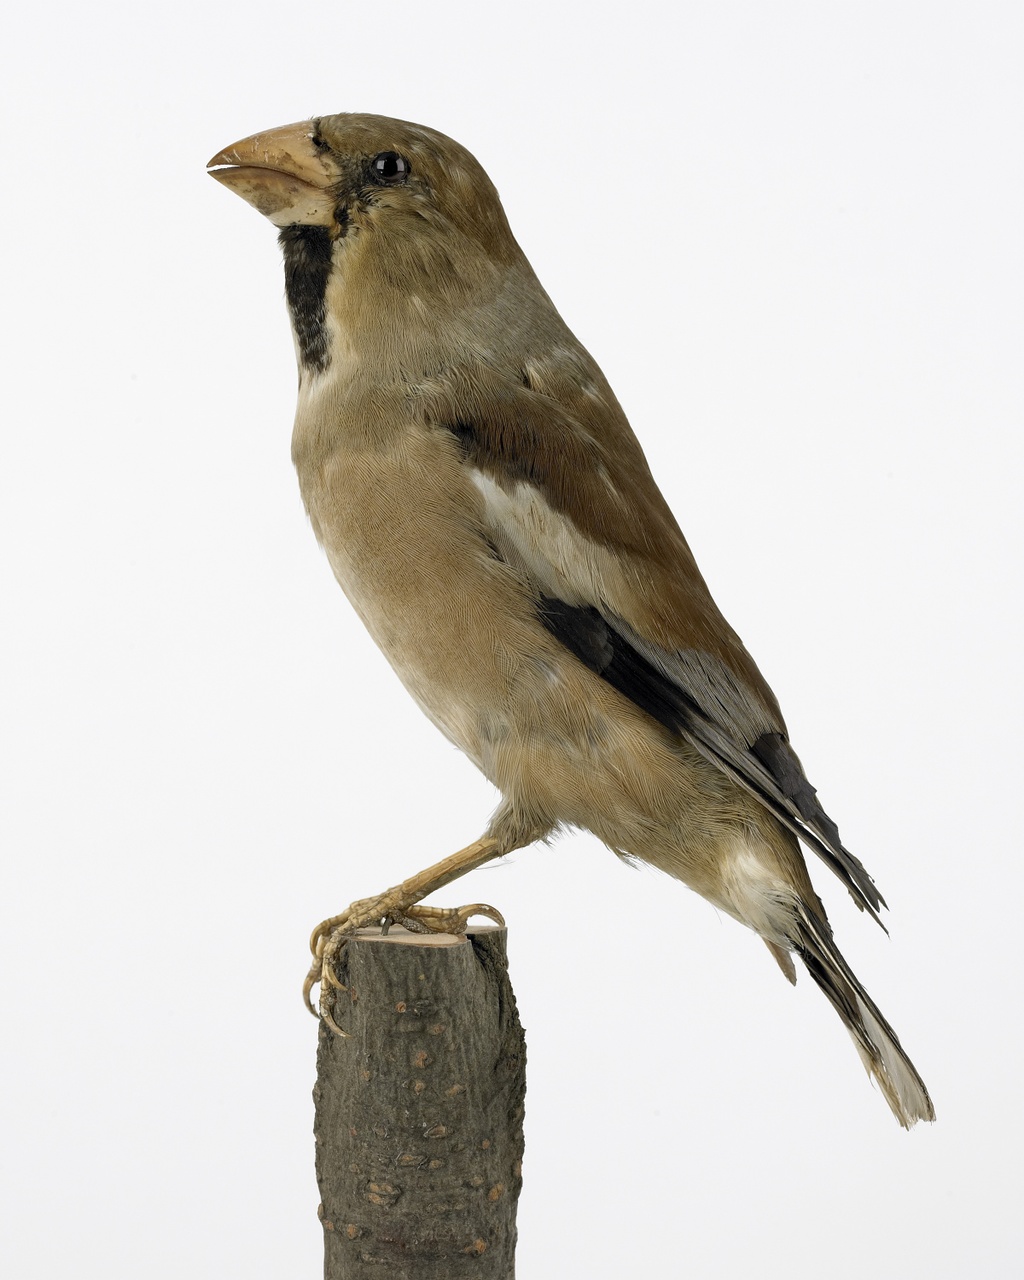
(389, 168)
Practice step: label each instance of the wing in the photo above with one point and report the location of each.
(569, 499)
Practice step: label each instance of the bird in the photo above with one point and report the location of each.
(488, 511)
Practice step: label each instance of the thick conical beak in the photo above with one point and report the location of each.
(282, 173)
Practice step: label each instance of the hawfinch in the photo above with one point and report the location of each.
(489, 513)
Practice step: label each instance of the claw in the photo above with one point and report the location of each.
(322, 972)
(312, 978)
(326, 1003)
(326, 1018)
(328, 978)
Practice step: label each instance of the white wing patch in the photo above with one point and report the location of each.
(563, 562)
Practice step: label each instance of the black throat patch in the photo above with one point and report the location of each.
(307, 266)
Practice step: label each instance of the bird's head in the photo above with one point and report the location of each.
(375, 216)
(349, 170)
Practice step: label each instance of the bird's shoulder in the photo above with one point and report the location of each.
(567, 487)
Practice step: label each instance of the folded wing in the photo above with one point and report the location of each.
(569, 500)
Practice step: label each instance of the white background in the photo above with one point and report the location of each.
(791, 235)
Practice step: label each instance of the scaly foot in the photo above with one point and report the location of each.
(398, 905)
(391, 907)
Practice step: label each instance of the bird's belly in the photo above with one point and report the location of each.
(402, 534)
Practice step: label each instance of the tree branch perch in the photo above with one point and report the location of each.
(419, 1113)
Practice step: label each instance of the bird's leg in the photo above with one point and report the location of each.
(397, 905)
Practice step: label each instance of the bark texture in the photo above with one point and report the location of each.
(419, 1114)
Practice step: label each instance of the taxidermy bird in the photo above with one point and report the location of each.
(489, 513)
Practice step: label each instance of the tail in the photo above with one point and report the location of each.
(876, 1042)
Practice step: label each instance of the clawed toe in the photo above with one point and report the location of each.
(419, 919)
